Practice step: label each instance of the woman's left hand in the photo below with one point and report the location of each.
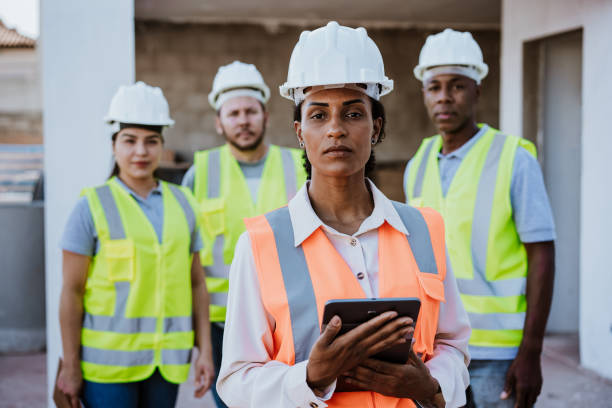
(410, 380)
(204, 374)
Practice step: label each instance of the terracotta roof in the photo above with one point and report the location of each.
(10, 38)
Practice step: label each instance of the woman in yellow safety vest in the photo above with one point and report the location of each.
(133, 300)
(341, 238)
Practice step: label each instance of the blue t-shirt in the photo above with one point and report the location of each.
(80, 235)
(530, 205)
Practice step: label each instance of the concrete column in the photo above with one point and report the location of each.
(87, 51)
(525, 20)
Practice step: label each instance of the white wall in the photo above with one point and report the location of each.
(87, 51)
(19, 81)
(525, 20)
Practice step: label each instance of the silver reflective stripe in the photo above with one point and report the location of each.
(218, 248)
(187, 208)
(118, 323)
(289, 172)
(111, 212)
(481, 223)
(418, 237)
(418, 183)
(300, 293)
(214, 174)
(218, 269)
(497, 321)
(178, 324)
(176, 356)
(486, 353)
(117, 357)
(482, 287)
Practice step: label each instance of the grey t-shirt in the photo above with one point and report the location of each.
(530, 205)
(80, 234)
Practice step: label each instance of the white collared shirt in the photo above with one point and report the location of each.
(249, 377)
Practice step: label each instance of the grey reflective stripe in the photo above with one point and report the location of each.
(117, 357)
(300, 293)
(497, 321)
(187, 208)
(418, 237)
(214, 174)
(483, 208)
(289, 172)
(486, 353)
(178, 324)
(111, 212)
(218, 248)
(418, 183)
(176, 356)
(118, 323)
(482, 287)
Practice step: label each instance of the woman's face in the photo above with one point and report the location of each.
(137, 152)
(337, 130)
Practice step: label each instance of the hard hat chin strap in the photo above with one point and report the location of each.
(466, 70)
(370, 89)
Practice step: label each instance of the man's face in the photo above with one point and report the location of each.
(242, 121)
(451, 101)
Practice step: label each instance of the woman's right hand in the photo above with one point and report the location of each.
(70, 381)
(332, 356)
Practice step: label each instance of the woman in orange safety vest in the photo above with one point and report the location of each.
(340, 238)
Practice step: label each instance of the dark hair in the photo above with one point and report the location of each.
(153, 128)
(378, 111)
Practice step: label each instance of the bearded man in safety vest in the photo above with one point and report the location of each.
(243, 178)
(499, 226)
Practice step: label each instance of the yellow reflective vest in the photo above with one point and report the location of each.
(486, 254)
(225, 200)
(137, 301)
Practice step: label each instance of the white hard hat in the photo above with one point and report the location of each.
(139, 104)
(335, 55)
(453, 49)
(237, 79)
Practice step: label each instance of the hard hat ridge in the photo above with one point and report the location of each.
(454, 49)
(237, 79)
(335, 55)
(139, 103)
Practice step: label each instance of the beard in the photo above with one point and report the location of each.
(245, 148)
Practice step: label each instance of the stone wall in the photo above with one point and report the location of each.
(183, 59)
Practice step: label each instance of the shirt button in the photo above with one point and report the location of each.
(313, 405)
(353, 242)
(360, 275)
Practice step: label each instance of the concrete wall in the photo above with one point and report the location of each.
(183, 59)
(20, 99)
(22, 294)
(525, 20)
(87, 51)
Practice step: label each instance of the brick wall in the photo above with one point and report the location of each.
(21, 128)
(183, 59)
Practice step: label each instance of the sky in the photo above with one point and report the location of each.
(22, 15)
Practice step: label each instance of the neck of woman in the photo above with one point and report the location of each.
(342, 203)
(141, 186)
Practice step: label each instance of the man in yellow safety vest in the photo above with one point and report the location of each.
(243, 178)
(499, 225)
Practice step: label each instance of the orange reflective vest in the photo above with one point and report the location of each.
(295, 283)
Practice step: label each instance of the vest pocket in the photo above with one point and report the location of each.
(213, 216)
(432, 286)
(119, 255)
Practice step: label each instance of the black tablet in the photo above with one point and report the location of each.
(354, 312)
